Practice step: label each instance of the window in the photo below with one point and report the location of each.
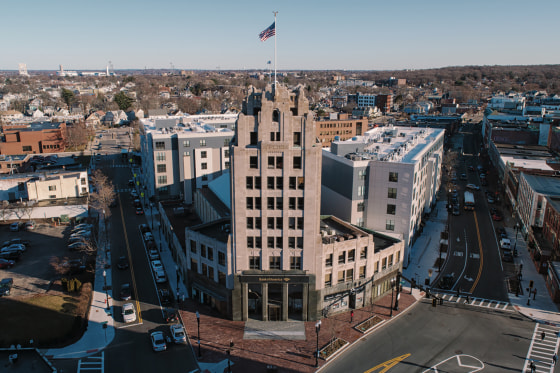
(203, 154)
(398, 256)
(226, 142)
(391, 260)
(274, 262)
(160, 145)
(280, 183)
(270, 203)
(391, 209)
(295, 262)
(249, 181)
(292, 203)
(361, 191)
(186, 154)
(279, 223)
(254, 262)
(363, 252)
(297, 138)
(270, 182)
(52, 188)
(258, 223)
(26, 148)
(361, 206)
(258, 242)
(292, 242)
(384, 263)
(203, 142)
(342, 257)
(210, 253)
(249, 203)
(253, 162)
(328, 279)
(82, 181)
(203, 250)
(221, 278)
(340, 277)
(253, 138)
(204, 166)
(194, 265)
(376, 267)
(362, 272)
(270, 162)
(193, 246)
(300, 223)
(297, 163)
(270, 242)
(300, 203)
(279, 203)
(394, 177)
(301, 182)
(390, 225)
(52, 196)
(350, 275)
(257, 182)
(299, 242)
(162, 179)
(362, 174)
(270, 223)
(250, 242)
(186, 143)
(258, 203)
(292, 223)
(161, 168)
(351, 255)
(392, 193)
(249, 223)
(279, 242)
(328, 261)
(292, 182)
(227, 165)
(160, 156)
(226, 152)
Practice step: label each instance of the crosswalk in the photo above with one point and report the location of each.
(124, 190)
(475, 302)
(92, 364)
(544, 345)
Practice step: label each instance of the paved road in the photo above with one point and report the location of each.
(425, 337)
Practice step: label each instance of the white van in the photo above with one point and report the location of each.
(505, 243)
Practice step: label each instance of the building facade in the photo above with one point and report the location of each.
(339, 126)
(34, 138)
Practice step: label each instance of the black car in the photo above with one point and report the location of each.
(125, 293)
(122, 263)
(164, 297)
(11, 255)
(169, 315)
(74, 266)
(144, 228)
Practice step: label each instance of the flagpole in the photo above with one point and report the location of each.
(275, 33)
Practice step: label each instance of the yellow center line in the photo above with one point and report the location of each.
(384, 367)
(481, 254)
(139, 311)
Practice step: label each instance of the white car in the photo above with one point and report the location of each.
(156, 265)
(505, 243)
(472, 187)
(148, 236)
(153, 254)
(160, 277)
(128, 312)
(158, 341)
(178, 333)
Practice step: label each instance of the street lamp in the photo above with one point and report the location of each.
(105, 287)
(398, 283)
(317, 329)
(178, 278)
(515, 244)
(392, 292)
(198, 326)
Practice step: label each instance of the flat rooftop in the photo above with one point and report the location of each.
(389, 144)
(191, 124)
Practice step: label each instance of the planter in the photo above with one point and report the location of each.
(335, 346)
(368, 324)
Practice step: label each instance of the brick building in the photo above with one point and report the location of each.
(341, 126)
(33, 138)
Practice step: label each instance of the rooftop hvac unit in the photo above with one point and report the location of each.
(332, 232)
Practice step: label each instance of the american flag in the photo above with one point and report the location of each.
(269, 32)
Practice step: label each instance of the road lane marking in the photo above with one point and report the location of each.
(138, 310)
(388, 364)
(481, 254)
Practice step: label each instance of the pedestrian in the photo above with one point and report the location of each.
(534, 293)
(532, 366)
(543, 335)
(554, 359)
(351, 316)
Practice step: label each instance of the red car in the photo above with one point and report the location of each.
(139, 211)
(6, 263)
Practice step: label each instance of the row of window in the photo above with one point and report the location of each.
(348, 256)
(208, 271)
(254, 182)
(208, 253)
(274, 203)
(275, 262)
(275, 162)
(348, 274)
(275, 136)
(278, 222)
(274, 242)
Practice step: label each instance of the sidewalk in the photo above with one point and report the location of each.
(100, 330)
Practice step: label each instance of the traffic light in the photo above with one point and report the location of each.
(434, 302)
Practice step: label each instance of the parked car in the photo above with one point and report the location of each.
(507, 256)
(128, 312)
(169, 315)
(501, 232)
(6, 286)
(156, 265)
(158, 341)
(472, 187)
(144, 228)
(122, 262)
(178, 333)
(471, 168)
(148, 236)
(11, 255)
(164, 297)
(489, 198)
(6, 263)
(463, 176)
(505, 243)
(497, 216)
(74, 266)
(83, 226)
(30, 225)
(13, 247)
(16, 241)
(125, 293)
(137, 203)
(153, 254)
(80, 245)
(456, 211)
(139, 211)
(160, 277)
(134, 193)
(75, 239)
(14, 227)
(81, 234)
(131, 182)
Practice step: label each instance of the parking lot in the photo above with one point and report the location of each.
(32, 273)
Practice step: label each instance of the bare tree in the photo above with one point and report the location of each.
(57, 264)
(104, 194)
(28, 209)
(77, 135)
(4, 209)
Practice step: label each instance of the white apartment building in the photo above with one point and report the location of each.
(41, 186)
(385, 180)
(183, 154)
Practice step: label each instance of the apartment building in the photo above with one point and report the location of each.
(42, 186)
(384, 180)
(274, 257)
(183, 154)
(339, 126)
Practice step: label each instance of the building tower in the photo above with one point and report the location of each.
(23, 69)
(275, 189)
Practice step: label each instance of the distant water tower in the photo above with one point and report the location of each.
(23, 69)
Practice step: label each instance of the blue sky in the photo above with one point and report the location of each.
(206, 34)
